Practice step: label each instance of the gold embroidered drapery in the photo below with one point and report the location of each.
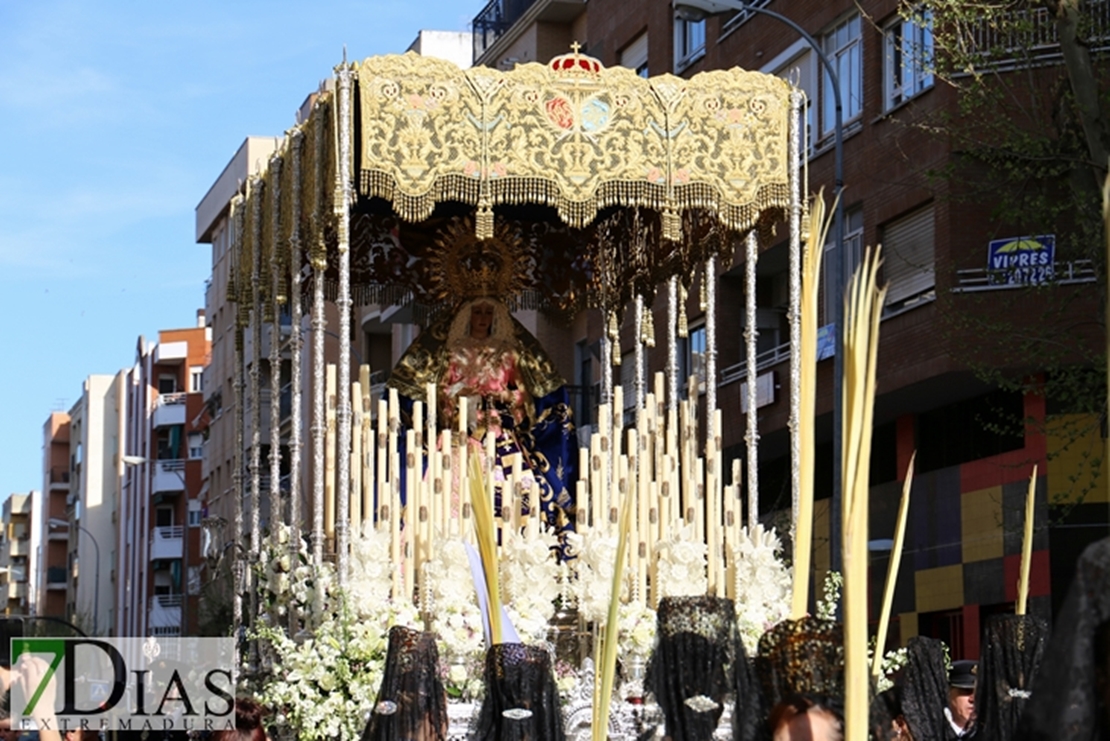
(572, 135)
(569, 154)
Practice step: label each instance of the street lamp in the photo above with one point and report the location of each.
(138, 460)
(59, 522)
(697, 10)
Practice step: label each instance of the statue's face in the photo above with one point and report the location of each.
(481, 318)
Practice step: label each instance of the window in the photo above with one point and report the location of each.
(163, 517)
(196, 379)
(801, 69)
(635, 55)
(908, 257)
(853, 244)
(196, 445)
(194, 513)
(167, 384)
(844, 49)
(695, 358)
(628, 379)
(908, 62)
(689, 42)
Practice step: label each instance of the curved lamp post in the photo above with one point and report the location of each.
(697, 10)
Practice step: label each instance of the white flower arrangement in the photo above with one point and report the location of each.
(893, 661)
(325, 686)
(287, 582)
(457, 618)
(682, 570)
(637, 630)
(826, 607)
(597, 555)
(763, 585)
(530, 580)
(370, 570)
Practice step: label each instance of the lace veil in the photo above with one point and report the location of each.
(1067, 702)
(522, 701)
(412, 702)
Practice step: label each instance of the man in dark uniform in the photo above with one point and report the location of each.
(961, 697)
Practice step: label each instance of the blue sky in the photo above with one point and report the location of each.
(115, 118)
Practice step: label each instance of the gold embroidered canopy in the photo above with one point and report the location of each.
(573, 135)
(558, 152)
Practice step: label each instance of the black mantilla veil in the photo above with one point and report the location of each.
(692, 669)
(801, 663)
(522, 701)
(1070, 691)
(925, 690)
(1013, 646)
(412, 702)
(802, 657)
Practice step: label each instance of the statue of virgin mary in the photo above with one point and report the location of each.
(479, 355)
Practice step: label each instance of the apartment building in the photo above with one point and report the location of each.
(52, 554)
(935, 398)
(96, 428)
(158, 555)
(16, 548)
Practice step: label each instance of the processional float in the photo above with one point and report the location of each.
(615, 190)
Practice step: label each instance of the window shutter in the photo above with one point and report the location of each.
(635, 55)
(908, 255)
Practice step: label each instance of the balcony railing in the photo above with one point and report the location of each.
(1029, 35)
(494, 20)
(766, 359)
(167, 542)
(56, 577)
(169, 410)
(169, 475)
(1063, 274)
(59, 475)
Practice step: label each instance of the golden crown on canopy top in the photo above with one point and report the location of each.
(464, 267)
(575, 64)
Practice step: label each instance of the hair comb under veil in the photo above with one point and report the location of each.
(1069, 693)
(1012, 649)
(412, 702)
(691, 669)
(925, 689)
(522, 701)
(802, 657)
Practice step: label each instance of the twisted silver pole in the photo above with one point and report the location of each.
(751, 333)
(343, 301)
(794, 316)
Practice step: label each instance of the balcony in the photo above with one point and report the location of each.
(171, 353)
(165, 614)
(59, 478)
(763, 361)
(169, 410)
(56, 577)
(169, 476)
(167, 542)
(1068, 273)
(1024, 37)
(17, 590)
(20, 547)
(498, 17)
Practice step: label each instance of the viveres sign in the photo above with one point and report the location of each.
(123, 684)
(1022, 260)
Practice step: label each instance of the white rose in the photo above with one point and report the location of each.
(457, 675)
